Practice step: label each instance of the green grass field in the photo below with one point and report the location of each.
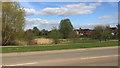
(69, 45)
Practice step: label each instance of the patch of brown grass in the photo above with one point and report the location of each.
(21, 43)
(113, 40)
(43, 41)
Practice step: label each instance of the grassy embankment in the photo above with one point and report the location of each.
(67, 45)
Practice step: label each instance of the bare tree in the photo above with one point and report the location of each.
(98, 32)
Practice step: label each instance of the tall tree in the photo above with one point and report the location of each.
(13, 18)
(65, 27)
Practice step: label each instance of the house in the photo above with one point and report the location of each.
(114, 30)
(83, 31)
(44, 32)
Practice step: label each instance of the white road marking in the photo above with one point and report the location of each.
(66, 59)
(99, 57)
(23, 64)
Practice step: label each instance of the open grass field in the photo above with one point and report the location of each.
(68, 45)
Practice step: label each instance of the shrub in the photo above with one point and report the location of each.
(55, 35)
(29, 36)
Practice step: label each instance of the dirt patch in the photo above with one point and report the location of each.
(113, 40)
(43, 41)
(10, 46)
(108, 41)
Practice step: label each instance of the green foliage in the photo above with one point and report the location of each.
(65, 27)
(73, 35)
(101, 32)
(13, 18)
(36, 31)
(29, 36)
(98, 32)
(43, 36)
(114, 37)
(107, 33)
(55, 35)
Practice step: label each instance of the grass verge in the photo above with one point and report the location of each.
(59, 47)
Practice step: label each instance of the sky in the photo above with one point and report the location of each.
(86, 15)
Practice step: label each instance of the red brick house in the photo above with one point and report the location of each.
(83, 31)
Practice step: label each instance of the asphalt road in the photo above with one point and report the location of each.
(77, 57)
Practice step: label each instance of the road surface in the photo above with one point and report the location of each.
(77, 57)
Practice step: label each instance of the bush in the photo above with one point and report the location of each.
(73, 36)
(55, 35)
(29, 36)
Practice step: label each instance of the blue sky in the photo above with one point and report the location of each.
(46, 15)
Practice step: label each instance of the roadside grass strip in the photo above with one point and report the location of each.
(58, 47)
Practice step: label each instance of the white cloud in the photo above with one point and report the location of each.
(106, 17)
(91, 25)
(49, 24)
(112, 16)
(94, 4)
(30, 11)
(69, 10)
(40, 23)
